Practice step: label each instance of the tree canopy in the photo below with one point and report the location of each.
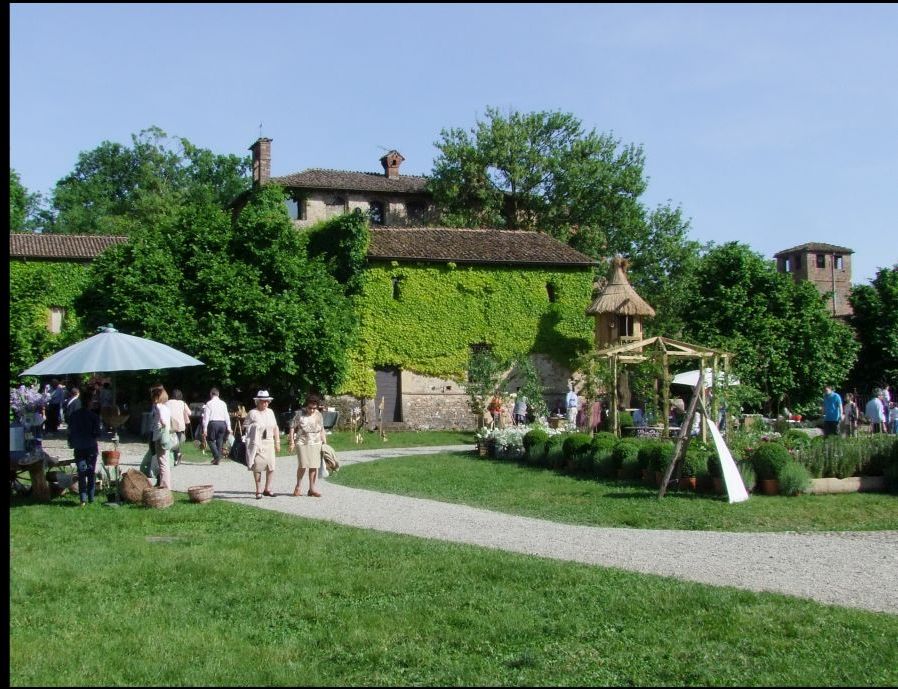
(24, 207)
(115, 188)
(242, 297)
(542, 171)
(786, 344)
(875, 319)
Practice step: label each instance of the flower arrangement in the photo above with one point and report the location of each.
(27, 403)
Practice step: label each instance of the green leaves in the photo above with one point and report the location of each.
(876, 321)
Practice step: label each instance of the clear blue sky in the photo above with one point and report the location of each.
(773, 125)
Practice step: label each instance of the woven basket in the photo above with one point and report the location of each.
(159, 498)
(132, 486)
(200, 493)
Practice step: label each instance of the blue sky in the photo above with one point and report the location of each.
(773, 125)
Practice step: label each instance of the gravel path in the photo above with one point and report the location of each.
(853, 569)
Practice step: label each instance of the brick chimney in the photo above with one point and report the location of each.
(261, 161)
(391, 162)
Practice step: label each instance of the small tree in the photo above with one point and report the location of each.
(531, 386)
(485, 374)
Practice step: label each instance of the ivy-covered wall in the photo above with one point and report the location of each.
(34, 287)
(424, 317)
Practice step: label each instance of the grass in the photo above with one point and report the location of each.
(345, 440)
(509, 487)
(222, 594)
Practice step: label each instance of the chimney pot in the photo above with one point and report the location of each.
(391, 162)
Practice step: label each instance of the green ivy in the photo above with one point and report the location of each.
(425, 317)
(34, 287)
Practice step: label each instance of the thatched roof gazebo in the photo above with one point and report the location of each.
(618, 309)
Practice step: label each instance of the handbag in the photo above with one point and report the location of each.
(329, 458)
(238, 450)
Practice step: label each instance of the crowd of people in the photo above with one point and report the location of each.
(844, 417)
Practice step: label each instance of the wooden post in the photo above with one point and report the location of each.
(615, 418)
(683, 437)
(380, 418)
(666, 395)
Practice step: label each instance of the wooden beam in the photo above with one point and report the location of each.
(683, 437)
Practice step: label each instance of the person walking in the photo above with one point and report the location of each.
(263, 442)
(84, 431)
(54, 406)
(307, 436)
(216, 424)
(875, 413)
(73, 403)
(495, 410)
(832, 411)
(520, 409)
(162, 439)
(180, 421)
(851, 416)
(572, 405)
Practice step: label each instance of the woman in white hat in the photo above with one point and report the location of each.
(263, 442)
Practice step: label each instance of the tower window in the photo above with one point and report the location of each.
(821, 260)
(838, 261)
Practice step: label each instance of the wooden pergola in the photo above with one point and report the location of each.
(665, 349)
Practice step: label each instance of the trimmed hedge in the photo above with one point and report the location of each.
(768, 460)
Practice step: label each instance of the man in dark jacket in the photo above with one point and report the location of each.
(84, 430)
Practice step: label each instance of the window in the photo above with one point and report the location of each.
(415, 211)
(821, 260)
(797, 262)
(787, 265)
(624, 326)
(550, 290)
(334, 206)
(837, 258)
(376, 212)
(294, 209)
(397, 287)
(54, 319)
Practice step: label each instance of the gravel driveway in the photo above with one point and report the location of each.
(853, 569)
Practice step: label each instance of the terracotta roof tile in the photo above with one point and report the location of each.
(353, 181)
(70, 247)
(472, 246)
(818, 247)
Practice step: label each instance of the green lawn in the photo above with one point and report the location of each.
(506, 486)
(222, 594)
(345, 440)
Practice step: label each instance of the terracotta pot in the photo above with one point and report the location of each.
(769, 486)
(687, 483)
(111, 457)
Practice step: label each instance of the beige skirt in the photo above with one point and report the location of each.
(264, 459)
(309, 456)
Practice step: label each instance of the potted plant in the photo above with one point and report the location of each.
(768, 460)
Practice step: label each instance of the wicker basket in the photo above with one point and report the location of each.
(132, 485)
(159, 498)
(200, 493)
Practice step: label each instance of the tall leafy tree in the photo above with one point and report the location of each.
(24, 207)
(875, 320)
(786, 345)
(542, 171)
(242, 297)
(114, 188)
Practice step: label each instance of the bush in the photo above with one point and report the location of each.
(714, 468)
(537, 435)
(661, 455)
(602, 462)
(535, 454)
(576, 448)
(554, 457)
(697, 456)
(794, 439)
(794, 479)
(749, 477)
(768, 459)
(626, 456)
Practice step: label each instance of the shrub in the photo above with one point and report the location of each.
(697, 457)
(714, 468)
(768, 459)
(661, 455)
(535, 454)
(794, 439)
(794, 479)
(602, 462)
(536, 435)
(578, 449)
(749, 477)
(554, 457)
(626, 456)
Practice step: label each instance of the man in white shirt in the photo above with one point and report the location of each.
(216, 424)
(572, 404)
